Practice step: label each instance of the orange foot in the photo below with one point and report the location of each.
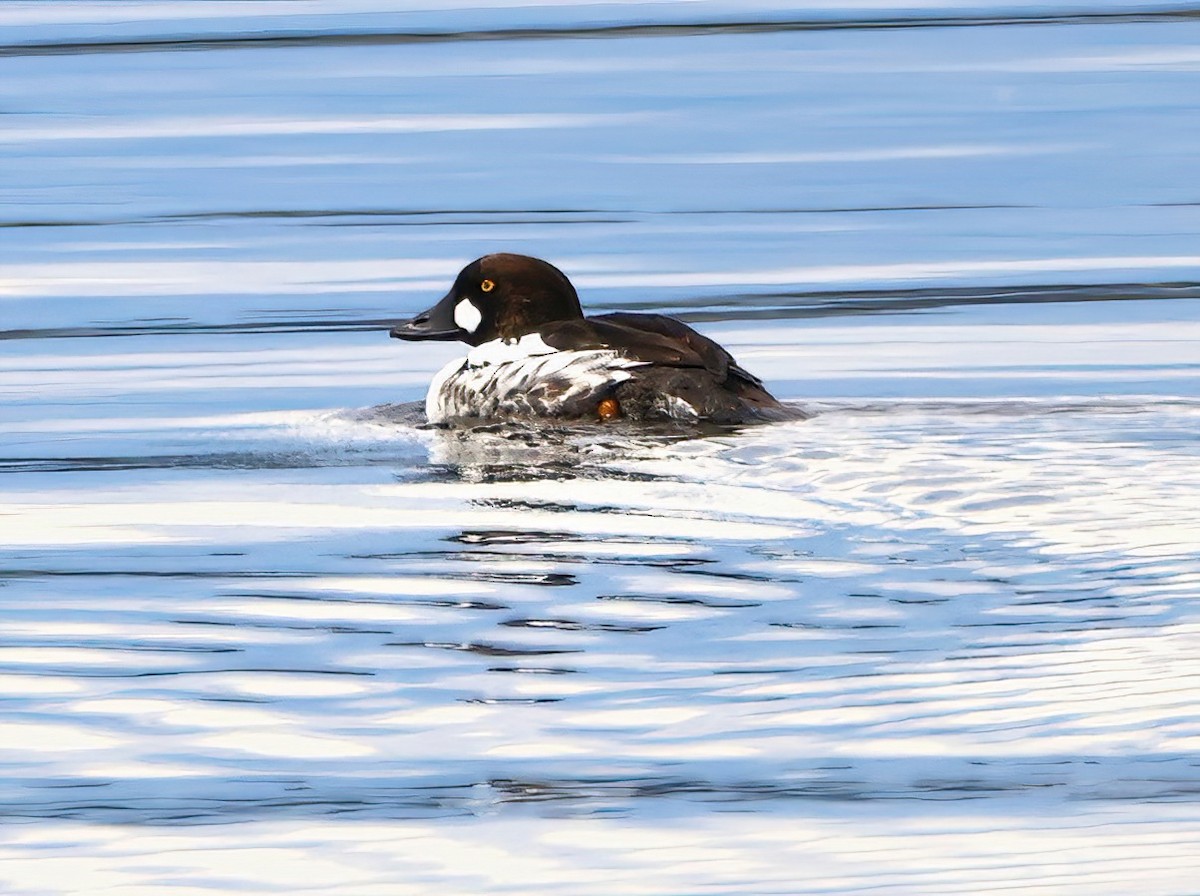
(609, 409)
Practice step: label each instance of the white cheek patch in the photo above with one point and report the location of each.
(467, 316)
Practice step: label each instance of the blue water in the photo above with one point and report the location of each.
(262, 632)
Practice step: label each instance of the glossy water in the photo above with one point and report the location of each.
(264, 633)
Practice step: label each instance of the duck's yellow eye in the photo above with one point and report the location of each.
(487, 285)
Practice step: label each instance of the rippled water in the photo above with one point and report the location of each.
(264, 632)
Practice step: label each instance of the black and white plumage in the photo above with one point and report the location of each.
(535, 355)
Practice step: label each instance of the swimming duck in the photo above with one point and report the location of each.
(534, 354)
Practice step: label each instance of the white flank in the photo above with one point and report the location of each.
(434, 412)
(522, 378)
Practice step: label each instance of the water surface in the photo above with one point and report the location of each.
(263, 631)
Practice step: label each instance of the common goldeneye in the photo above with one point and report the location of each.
(534, 354)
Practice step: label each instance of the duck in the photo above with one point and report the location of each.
(533, 355)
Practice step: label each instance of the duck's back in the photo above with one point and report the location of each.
(687, 375)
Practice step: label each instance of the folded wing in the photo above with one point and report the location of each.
(650, 338)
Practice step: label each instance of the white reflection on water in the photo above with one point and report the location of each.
(764, 852)
(946, 552)
(879, 154)
(979, 608)
(189, 127)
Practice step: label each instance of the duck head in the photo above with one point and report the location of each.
(499, 296)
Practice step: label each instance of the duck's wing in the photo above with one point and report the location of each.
(649, 338)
